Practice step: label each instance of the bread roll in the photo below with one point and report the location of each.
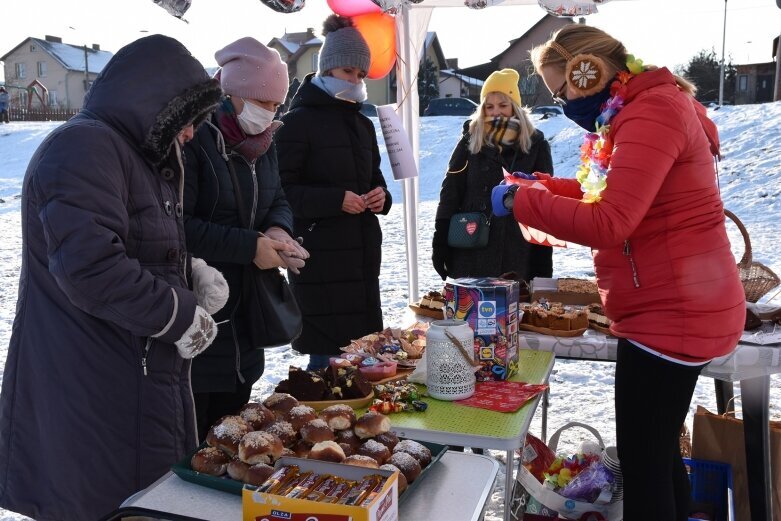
(299, 415)
(284, 431)
(338, 417)
(375, 450)
(402, 482)
(327, 451)
(361, 461)
(416, 450)
(260, 447)
(316, 431)
(257, 416)
(210, 460)
(227, 433)
(408, 465)
(371, 424)
(389, 439)
(237, 469)
(280, 404)
(257, 474)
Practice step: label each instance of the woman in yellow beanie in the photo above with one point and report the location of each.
(498, 135)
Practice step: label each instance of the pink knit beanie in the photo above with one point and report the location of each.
(251, 70)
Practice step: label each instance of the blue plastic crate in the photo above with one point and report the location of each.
(712, 484)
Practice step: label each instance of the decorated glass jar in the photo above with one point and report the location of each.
(450, 376)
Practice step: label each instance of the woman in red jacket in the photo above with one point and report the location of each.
(645, 200)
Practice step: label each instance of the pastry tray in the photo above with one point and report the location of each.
(553, 332)
(226, 484)
(355, 403)
(427, 312)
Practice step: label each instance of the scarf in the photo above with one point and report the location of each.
(502, 131)
(341, 89)
(249, 147)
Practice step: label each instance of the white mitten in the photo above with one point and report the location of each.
(210, 287)
(198, 336)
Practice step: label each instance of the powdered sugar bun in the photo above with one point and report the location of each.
(408, 465)
(371, 424)
(210, 460)
(257, 474)
(284, 431)
(299, 415)
(316, 431)
(327, 451)
(402, 483)
(416, 450)
(227, 433)
(257, 416)
(361, 461)
(375, 450)
(280, 404)
(260, 447)
(338, 417)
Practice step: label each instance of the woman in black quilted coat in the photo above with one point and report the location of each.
(329, 163)
(498, 136)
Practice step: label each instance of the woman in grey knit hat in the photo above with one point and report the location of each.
(329, 163)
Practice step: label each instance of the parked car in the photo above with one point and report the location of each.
(450, 107)
(369, 110)
(548, 110)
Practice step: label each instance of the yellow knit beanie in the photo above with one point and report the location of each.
(504, 81)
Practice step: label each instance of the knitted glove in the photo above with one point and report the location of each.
(440, 251)
(210, 287)
(198, 336)
(502, 197)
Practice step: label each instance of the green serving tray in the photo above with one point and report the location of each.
(231, 486)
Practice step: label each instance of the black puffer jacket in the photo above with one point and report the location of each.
(325, 148)
(96, 401)
(216, 235)
(467, 188)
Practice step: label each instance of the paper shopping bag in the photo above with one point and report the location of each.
(720, 438)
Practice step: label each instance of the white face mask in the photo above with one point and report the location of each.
(254, 119)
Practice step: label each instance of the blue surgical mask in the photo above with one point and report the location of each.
(584, 111)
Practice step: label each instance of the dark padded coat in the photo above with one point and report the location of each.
(215, 234)
(325, 148)
(467, 188)
(96, 401)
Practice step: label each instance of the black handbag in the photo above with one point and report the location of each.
(468, 230)
(272, 313)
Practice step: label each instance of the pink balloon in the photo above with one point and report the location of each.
(353, 7)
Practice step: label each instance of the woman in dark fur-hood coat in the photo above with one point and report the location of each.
(96, 401)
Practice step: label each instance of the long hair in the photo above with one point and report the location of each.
(585, 39)
(477, 126)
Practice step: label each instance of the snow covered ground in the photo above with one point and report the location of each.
(750, 180)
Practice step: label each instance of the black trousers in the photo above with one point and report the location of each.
(652, 397)
(210, 407)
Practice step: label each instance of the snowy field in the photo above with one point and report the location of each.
(750, 180)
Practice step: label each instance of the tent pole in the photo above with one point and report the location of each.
(407, 100)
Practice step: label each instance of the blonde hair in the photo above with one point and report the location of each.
(585, 39)
(477, 125)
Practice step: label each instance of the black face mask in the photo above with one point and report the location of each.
(584, 111)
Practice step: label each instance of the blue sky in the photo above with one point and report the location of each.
(663, 32)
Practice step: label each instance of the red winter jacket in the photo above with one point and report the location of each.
(665, 272)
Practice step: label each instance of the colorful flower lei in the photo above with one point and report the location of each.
(597, 148)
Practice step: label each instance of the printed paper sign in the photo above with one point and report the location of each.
(397, 143)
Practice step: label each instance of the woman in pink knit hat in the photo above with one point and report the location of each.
(236, 214)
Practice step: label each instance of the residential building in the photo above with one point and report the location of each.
(51, 73)
(516, 56)
(756, 82)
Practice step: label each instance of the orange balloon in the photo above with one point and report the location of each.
(379, 31)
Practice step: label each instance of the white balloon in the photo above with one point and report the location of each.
(176, 8)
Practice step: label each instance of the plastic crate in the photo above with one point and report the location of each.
(711, 483)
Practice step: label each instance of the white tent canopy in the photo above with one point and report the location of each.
(412, 22)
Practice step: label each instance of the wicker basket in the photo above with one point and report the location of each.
(757, 278)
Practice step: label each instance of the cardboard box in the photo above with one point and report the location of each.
(490, 307)
(547, 289)
(261, 506)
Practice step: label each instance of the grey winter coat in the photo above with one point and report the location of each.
(325, 148)
(96, 402)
